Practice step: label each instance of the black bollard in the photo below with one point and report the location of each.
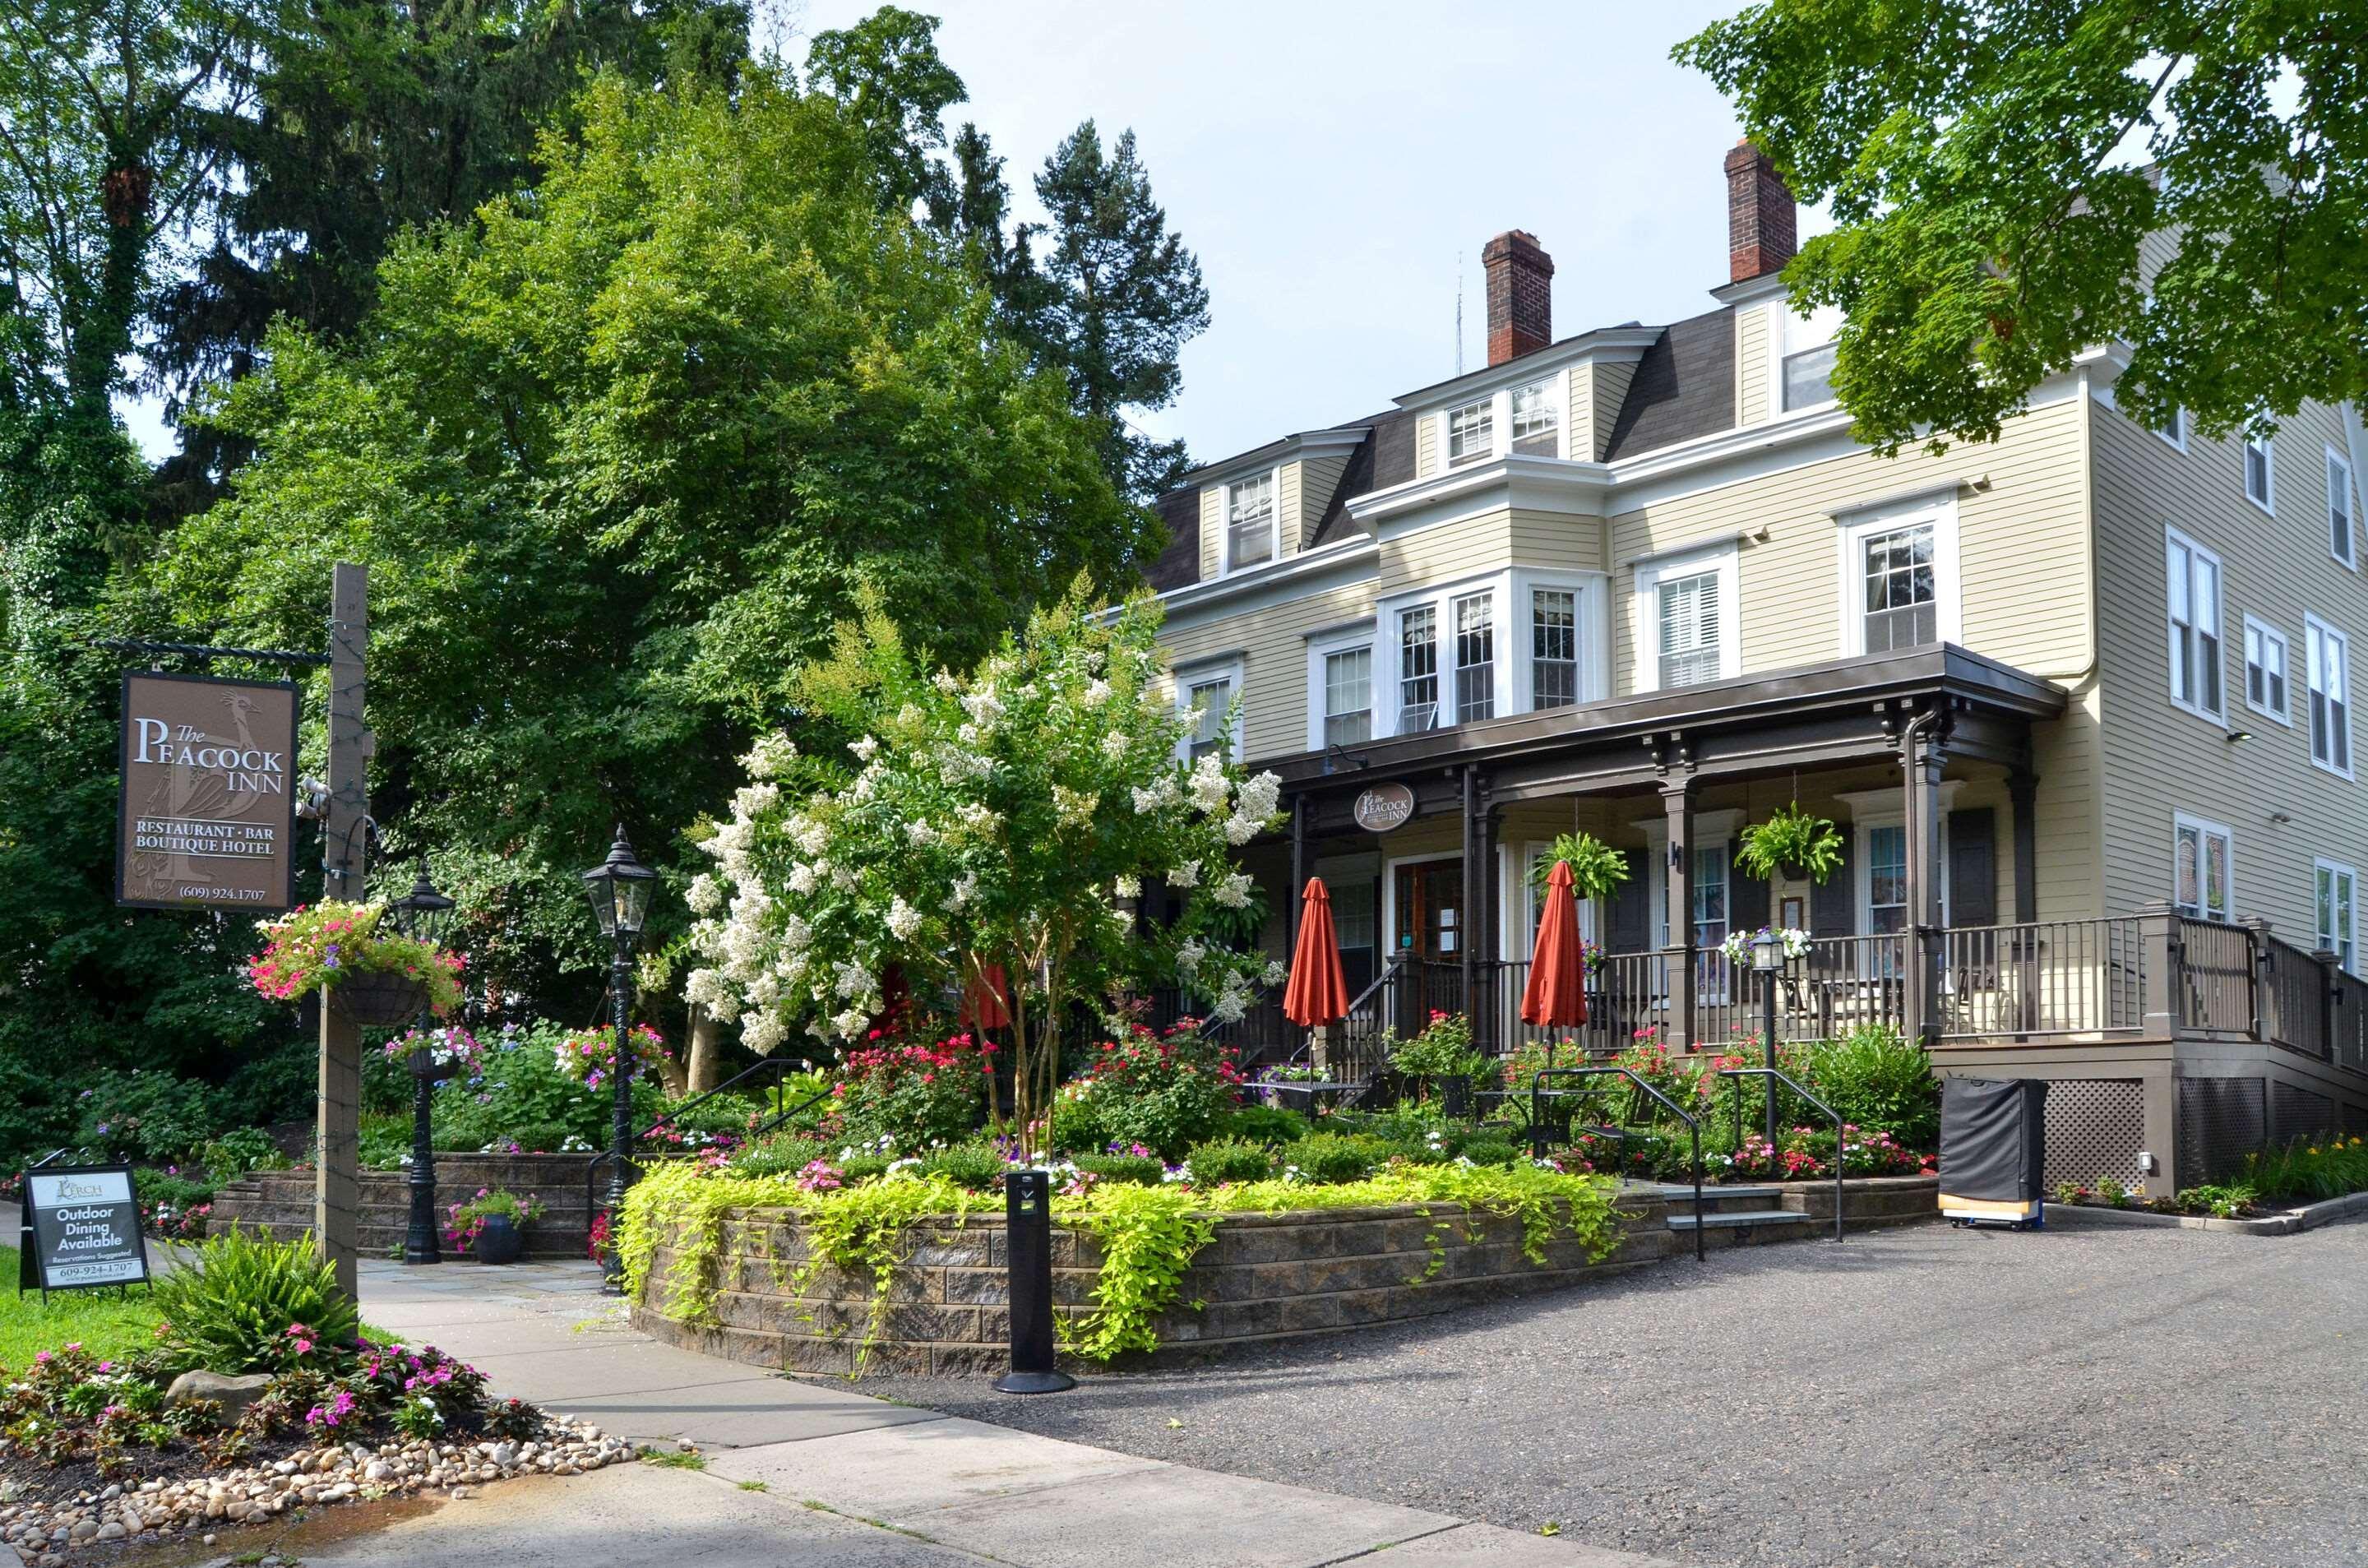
(1028, 1252)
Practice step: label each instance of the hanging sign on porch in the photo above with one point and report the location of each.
(85, 1229)
(207, 802)
(1383, 807)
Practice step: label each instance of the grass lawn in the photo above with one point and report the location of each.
(107, 1323)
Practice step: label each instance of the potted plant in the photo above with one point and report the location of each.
(491, 1226)
(375, 976)
(1596, 869)
(1792, 843)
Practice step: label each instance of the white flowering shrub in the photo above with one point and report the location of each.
(969, 821)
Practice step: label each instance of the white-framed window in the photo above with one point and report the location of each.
(1536, 415)
(1471, 431)
(2266, 671)
(2173, 430)
(2334, 897)
(1252, 522)
(2260, 479)
(2328, 652)
(1554, 647)
(2202, 868)
(1349, 697)
(2341, 543)
(1475, 657)
(2193, 577)
(1807, 363)
(1898, 574)
(1886, 878)
(1417, 645)
(1524, 873)
(1686, 612)
(1879, 856)
(1207, 695)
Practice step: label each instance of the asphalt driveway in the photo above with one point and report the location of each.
(1923, 1397)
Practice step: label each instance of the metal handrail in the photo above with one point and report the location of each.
(1794, 1085)
(773, 1064)
(1538, 1093)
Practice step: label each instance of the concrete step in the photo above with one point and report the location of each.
(1737, 1219)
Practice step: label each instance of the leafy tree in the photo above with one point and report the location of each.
(1989, 224)
(617, 455)
(886, 69)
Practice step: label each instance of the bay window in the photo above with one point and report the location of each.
(1418, 669)
(1475, 658)
(1554, 647)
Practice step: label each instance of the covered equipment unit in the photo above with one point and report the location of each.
(1993, 1133)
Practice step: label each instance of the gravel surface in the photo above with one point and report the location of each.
(1915, 1398)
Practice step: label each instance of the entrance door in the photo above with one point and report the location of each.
(1430, 910)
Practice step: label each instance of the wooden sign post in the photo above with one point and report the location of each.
(344, 844)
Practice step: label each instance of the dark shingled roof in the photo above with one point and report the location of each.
(1684, 387)
(1180, 562)
(1384, 457)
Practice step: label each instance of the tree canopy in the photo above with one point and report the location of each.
(1996, 167)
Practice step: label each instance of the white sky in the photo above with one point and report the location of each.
(1331, 161)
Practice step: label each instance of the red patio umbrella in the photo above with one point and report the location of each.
(1318, 994)
(1556, 993)
(983, 1007)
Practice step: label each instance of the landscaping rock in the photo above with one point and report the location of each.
(234, 1393)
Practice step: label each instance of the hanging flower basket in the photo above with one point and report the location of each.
(379, 1001)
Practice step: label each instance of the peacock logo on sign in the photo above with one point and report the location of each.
(1383, 807)
(208, 794)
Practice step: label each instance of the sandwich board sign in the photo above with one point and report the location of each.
(82, 1230)
(206, 808)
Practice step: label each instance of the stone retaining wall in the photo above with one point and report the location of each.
(1261, 1277)
(283, 1199)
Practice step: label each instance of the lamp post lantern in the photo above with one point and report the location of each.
(1768, 958)
(619, 890)
(428, 914)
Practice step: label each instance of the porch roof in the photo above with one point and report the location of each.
(1840, 711)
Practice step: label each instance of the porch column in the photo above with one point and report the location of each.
(2022, 794)
(1488, 1005)
(1295, 893)
(1924, 755)
(1474, 832)
(1677, 803)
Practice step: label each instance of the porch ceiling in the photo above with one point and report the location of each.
(1843, 712)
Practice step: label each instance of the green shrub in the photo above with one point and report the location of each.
(153, 1186)
(277, 1082)
(151, 1116)
(1337, 1157)
(913, 1095)
(239, 1150)
(1490, 1152)
(980, 1167)
(520, 1097)
(1166, 1092)
(860, 1167)
(1224, 1160)
(779, 1154)
(1143, 1170)
(2310, 1169)
(1265, 1124)
(228, 1310)
(1876, 1079)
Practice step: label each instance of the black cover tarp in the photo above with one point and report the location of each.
(1991, 1138)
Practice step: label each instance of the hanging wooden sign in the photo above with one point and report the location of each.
(206, 813)
(1383, 807)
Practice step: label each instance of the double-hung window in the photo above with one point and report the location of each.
(1554, 647)
(2194, 590)
(1471, 431)
(1417, 670)
(1349, 697)
(1249, 522)
(1903, 605)
(2261, 483)
(1209, 702)
(2174, 429)
(1475, 657)
(1687, 612)
(2337, 884)
(2200, 858)
(2338, 507)
(1537, 420)
(1808, 360)
(1886, 878)
(2265, 669)
(2328, 655)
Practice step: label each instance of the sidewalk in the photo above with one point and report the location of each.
(803, 1473)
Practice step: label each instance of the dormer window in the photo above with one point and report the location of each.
(1809, 357)
(1471, 432)
(1250, 522)
(1537, 420)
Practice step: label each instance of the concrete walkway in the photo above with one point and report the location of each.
(802, 1472)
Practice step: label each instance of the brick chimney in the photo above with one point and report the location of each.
(1521, 295)
(1760, 233)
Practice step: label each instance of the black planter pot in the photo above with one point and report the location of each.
(379, 1001)
(498, 1241)
(1455, 1097)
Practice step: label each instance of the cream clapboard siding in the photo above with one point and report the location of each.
(1556, 540)
(2159, 759)
(1754, 357)
(1426, 445)
(1319, 478)
(1446, 552)
(1212, 527)
(1611, 380)
(1288, 488)
(1272, 646)
(1578, 414)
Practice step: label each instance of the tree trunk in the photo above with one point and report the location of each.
(706, 1053)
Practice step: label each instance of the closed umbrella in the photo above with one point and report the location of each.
(1318, 992)
(1555, 996)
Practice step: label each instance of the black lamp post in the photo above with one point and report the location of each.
(424, 913)
(1768, 958)
(619, 890)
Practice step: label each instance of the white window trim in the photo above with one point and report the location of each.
(1498, 404)
(2220, 577)
(1187, 676)
(1870, 809)
(1783, 326)
(1225, 567)
(1712, 830)
(1720, 558)
(1594, 645)
(2205, 827)
(1557, 385)
(1442, 600)
(2336, 462)
(1851, 539)
(1346, 639)
(2254, 623)
(1500, 421)
(2268, 500)
(2176, 443)
(2328, 630)
(2322, 863)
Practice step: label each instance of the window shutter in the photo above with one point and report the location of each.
(1833, 904)
(1973, 867)
(1749, 900)
(1632, 908)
